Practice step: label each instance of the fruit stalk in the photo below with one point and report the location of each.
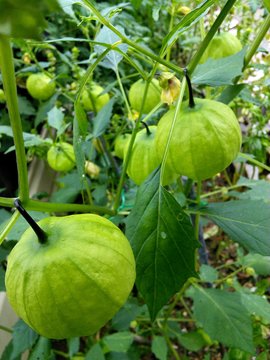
(42, 236)
(190, 91)
(147, 128)
(9, 82)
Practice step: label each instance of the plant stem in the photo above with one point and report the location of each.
(9, 82)
(9, 226)
(191, 103)
(4, 328)
(214, 28)
(41, 235)
(126, 40)
(256, 42)
(254, 161)
(123, 93)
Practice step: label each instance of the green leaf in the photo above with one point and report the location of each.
(192, 341)
(159, 347)
(56, 120)
(44, 108)
(119, 342)
(261, 264)
(162, 238)
(258, 190)
(121, 321)
(108, 37)
(24, 19)
(219, 72)
(25, 106)
(245, 221)
(223, 317)
(230, 92)
(102, 119)
(95, 353)
(23, 338)
(267, 4)
(7, 354)
(208, 273)
(257, 305)
(2, 279)
(189, 20)
(73, 346)
(42, 350)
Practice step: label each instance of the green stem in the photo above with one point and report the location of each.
(256, 42)
(9, 226)
(254, 161)
(9, 82)
(37, 205)
(126, 40)
(123, 93)
(6, 329)
(211, 33)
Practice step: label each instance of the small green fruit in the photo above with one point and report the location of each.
(136, 93)
(61, 157)
(40, 86)
(76, 281)
(205, 140)
(2, 96)
(94, 93)
(144, 158)
(221, 46)
(120, 144)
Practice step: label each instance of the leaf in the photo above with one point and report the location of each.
(23, 338)
(56, 120)
(163, 242)
(219, 72)
(24, 19)
(223, 317)
(73, 346)
(208, 273)
(2, 279)
(192, 341)
(25, 106)
(257, 305)
(245, 221)
(119, 342)
(101, 121)
(108, 37)
(66, 6)
(44, 108)
(258, 190)
(230, 92)
(95, 353)
(159, 347)
(189, 20)
(130, 310)
(42, 350)
(261, 264)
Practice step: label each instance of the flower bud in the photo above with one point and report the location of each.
(91, 169)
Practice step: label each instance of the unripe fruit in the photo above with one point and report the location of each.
(120, 144)
(222, 45)
(76, 281)
(205, 140)
(40, 86)
(2, 96)
(144, 158)
(94, 93)
(136, 93)
(61, 157)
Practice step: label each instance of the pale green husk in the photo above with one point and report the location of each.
(72, 285)
(40, 86)
(94, 93)
(136, 93)
(206, 139)
(61, 157)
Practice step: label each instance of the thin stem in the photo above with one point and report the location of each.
(214, 28)
(254, 161)
(191, 103)
(256, 42)
(148, 132)
(126, 40)
(123, 93)
(42, 236)
(9, 226)
(6, 329)
(9, 82)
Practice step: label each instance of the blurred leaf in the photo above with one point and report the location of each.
(119, 342)
(228, 321)
(192, 341)
(245, 221)
(258, 190)
(261, 264)
(121, 321)
(219, 72)
(101, 121)
(257, 305)
(7, 354)
(162, 238)
(95, 353)
(230, 92)
(25, 106)
(73, 346)
(56, 120)
(44, 108)
(24, 19)
(2, 279)
(208, 273)
(23, 338)
(159, 347)
(81, 118)
(107, 36)
(267, 4)
(187, 21)
(42, 350)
